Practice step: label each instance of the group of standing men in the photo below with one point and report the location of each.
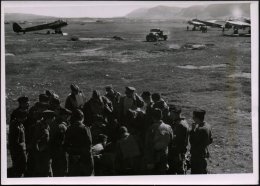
(112, 134)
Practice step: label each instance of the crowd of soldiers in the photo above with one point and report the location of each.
(111, 134)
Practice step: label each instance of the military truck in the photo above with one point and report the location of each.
(156, 34)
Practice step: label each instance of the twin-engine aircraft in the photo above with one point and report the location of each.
(56, 26)
(236, 24)
(211, 23)
(202, 25)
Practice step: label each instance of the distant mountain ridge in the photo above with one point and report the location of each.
(199, 11)
(25, 17)
(21, 17)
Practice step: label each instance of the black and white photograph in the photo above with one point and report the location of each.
(129, 92)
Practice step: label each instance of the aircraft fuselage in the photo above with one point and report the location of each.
(56, 25)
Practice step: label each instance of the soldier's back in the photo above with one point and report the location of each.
(162, 136)
(78, 136)
(16, 136)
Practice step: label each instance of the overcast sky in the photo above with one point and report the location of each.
(91, 9)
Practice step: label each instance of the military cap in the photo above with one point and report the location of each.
(95, 94)
(200, 113)
(108, 87)
(23, 99)
(156, 96)
(48, 114)
(146, 94)
(157, 114)
(130, 89)
(175, 108)
(43, 98)
(74, 87)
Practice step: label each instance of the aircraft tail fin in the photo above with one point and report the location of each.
(16, 27)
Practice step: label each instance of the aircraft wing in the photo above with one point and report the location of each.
(196, 23)
(213, 23)
(238, 24)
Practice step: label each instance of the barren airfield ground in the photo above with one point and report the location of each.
(217, 78)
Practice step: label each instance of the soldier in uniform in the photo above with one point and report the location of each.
(148, 108)
(55, 105)
(75, 99)
(41, 144)
(54, 100)
(97, 151)
(160, 104)
(130, 101)
(148, 102)
(78, 142)
(200, 139)
(36, 110)
(57, 139)
(98, 127)
(97, 105)
(23, 106)
(113, 96)
(180, 127)
(127, 154)
(17, 143)
(34, 116)
(159, 139)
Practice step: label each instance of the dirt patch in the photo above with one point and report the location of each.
(174, 46)
(91, 50)
(241, 75)
(194, 46)
(192, 67)
(82, 62)
(94, 39)
(87, 52)
(22, 40)
(9, 54)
